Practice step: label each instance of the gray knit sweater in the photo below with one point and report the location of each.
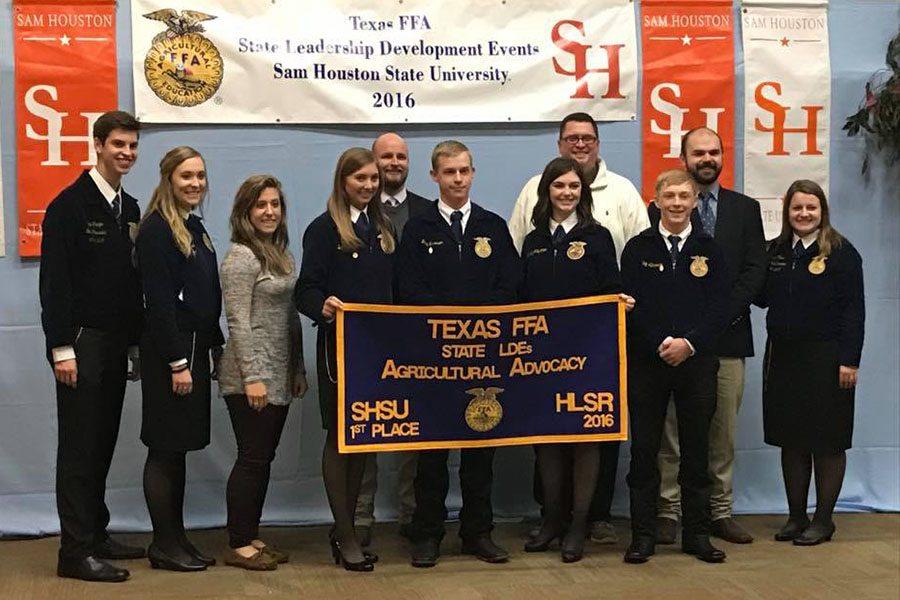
(265, 341)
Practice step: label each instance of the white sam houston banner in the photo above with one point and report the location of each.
(787, 101)
(355, 61)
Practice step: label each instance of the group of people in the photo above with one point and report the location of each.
(126, 296)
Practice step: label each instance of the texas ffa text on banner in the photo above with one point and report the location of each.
(65, 79)
(688, 72)
(787, 100)
(413, 378)
(358, 61)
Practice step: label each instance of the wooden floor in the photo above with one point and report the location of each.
(863, 562)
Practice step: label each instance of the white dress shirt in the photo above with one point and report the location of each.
(446, 211)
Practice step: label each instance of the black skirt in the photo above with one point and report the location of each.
(803, 404)
(326, 372)
(174, 423)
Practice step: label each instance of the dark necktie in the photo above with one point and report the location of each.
(456, 225)
(117, 209)
(707, 217)
(362, 227)
(799, 250)
(673, 249)
(558, 234)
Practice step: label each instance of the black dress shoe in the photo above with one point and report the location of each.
(665, 530)
(640, 551)
(815, 534)
(484, 548)
(90, 568)
(111, 549)
(793, 529)
(425, 553)
(209, 561)
(161, 560)
(541, 540)
(729, 530)
(700, 547)
(572, 549)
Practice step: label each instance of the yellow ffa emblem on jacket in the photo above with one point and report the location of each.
(208, 242)
(484, 411)
(817, 265)
(483, 247)
(132, 231)
(699, 268)
(576, 250)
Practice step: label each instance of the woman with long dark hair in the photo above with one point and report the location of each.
(183, 303)
(568, 255)
(262, 366)
(347, 256)
(814, 291)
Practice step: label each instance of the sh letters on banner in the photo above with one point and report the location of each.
(688, 69)
(65, 79)
(414, 378)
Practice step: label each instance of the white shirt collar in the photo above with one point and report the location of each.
(446, 211)
(600, 179)
(807, 239)
(355, 212)
(568, 223)
(400, 196)
(103, 185)
(665, 233)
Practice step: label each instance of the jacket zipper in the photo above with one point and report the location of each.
(193, 342)
(77, 335)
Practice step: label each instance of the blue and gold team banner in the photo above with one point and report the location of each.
(415, 378)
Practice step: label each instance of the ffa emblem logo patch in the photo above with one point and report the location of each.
(576, 250)
(817, 265)
(183, 67)
(484, 411)
(132, 231)
(699, 268)
(208, 242)
(483, 247)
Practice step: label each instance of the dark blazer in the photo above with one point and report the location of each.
(583, 263)
(674, 302)
(739, 233)
(88, 278)
(829, 306)
(433, 269)
(418, 205)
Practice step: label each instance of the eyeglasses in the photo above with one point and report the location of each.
(573, 140)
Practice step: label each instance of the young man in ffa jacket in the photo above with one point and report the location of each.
(457, 253)
(734, 220)
(677, 276)
(400, 205)
(91, 314)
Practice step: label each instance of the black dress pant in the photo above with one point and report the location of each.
(257, 434)
(476, 476)
(88, 426)
(692, 384)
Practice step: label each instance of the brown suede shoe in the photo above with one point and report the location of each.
(729, 530)
(258, 562)
(275, 554)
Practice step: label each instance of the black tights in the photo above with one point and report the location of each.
(343, 475)
(164, 492)
(797, 466)
(553, 464)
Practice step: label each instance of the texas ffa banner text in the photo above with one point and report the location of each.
(355, 61)
(413, 378)
(65, 61)
(787, 101)
(688, 74)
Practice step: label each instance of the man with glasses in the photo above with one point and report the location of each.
(617, 205)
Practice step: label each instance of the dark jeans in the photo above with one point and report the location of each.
(88, 426)
(257, 435)
(692, 385)
(476, 476)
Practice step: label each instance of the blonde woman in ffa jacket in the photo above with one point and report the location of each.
(568, 255)
(677, 275)
(814, 291)
(347, 256)
(183, 303)
(91, 313)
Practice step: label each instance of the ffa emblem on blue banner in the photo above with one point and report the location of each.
(414, 378)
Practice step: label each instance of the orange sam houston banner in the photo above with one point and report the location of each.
(688, 71)
(65, 79)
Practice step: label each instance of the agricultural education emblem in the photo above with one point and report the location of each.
(484, 411)
(183, 67)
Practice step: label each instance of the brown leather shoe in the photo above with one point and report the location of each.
(729, 530)
(665, 530)
(279, 556)
(258, 562)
